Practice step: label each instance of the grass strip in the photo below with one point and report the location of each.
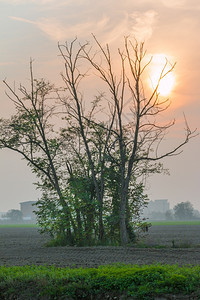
(158, 223)
(19, 226)
(104, 282)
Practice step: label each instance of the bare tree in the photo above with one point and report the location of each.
(113, 148)
(138, 138)
(74, 108)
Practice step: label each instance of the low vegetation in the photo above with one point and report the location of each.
(104, 282)
(18, 225)
(192, 222)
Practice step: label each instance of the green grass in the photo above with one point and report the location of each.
(158, 223)
(18, 225)
(105, 282)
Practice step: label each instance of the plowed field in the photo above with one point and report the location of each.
(25, 246)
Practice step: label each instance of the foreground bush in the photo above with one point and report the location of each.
(106, 282)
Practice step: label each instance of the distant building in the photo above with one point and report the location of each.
(27, 209)
(161, 205)
(156, 209)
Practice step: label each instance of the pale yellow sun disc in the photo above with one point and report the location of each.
(167, 83)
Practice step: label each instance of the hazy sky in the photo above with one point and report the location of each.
(169, 27)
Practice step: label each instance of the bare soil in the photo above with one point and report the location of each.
(25, 246)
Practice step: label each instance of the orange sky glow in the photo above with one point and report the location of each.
(170, 29)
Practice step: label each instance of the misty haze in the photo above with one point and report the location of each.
(99, 147)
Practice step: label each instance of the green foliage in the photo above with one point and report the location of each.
(91, 170)
(184, 211)
(133, 282)
(80, 195)
(52, 219)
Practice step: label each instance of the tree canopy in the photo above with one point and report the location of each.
(184, 211)
(91, 167)
(14, 216)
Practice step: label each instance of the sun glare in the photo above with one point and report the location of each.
(167, 83)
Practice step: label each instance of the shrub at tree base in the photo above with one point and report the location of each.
(106, 282)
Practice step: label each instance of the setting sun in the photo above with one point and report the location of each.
(167, 83)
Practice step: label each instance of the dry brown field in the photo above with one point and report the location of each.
(25, 246)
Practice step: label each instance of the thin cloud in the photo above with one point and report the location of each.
(37, 2)
(50, 4)
(142, 24)
(137, 24)
(58, 31)
(182, 4)
(174, 3)
(22, 20)
(82, 17)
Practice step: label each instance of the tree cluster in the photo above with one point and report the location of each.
(183, 211)
(13, 216)
(88, 156)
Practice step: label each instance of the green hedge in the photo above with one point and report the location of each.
(104, 282)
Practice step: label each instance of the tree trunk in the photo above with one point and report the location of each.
(123, 229)
(101, 226)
